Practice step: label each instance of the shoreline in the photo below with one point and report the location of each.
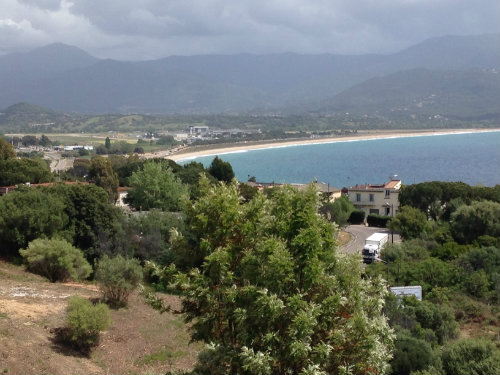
(192, 153)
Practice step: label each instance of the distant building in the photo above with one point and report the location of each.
(198, 130)
(376, 199)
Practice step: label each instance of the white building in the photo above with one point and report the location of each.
(377, 199)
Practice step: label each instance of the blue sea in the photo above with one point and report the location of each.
(473, 158)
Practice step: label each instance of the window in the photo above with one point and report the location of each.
(387, 193)
(358, 197)
(372, 197)
(387, 211)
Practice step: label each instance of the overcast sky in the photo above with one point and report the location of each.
(148, 29)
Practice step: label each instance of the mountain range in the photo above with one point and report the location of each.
(452, 76)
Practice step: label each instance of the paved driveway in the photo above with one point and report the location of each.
(358, 235)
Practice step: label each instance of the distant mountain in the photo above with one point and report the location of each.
(68, 79)
(460, 95)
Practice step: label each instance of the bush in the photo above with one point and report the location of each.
(357, 217)
(410, 354)
(375, 220)
(117, 277)
(84, 323)
(56, 259)
(471, 357)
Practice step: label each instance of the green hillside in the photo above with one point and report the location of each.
(420, 94)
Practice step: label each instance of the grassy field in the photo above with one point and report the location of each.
(139, 341)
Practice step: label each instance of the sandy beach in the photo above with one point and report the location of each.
(193, 152)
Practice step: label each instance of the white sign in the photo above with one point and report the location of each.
(402, 291)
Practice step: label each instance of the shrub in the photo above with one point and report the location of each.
(84, 323)
(471, 356)
(117, 277)
(375, 220)
(410, 354)
(357, 217)
(56, 259)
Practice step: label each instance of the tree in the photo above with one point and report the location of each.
(269, 294)
(480, 218)
(94, 224)
(107, 143)
(44, 141)
(338, 211)
(6, 150)
(29, 140)
(102, 174)
(155, 186)
(26, 215)
(56, 259)
(409, 222)
(221, 170)
(20, 171)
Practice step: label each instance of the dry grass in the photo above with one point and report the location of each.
(139, 341)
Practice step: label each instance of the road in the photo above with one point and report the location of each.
(57, 163)
(358, 235)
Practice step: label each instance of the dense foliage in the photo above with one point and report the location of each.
(221, 170)
(26, 170)
(156, 186)
(269, 294)
(451, 249)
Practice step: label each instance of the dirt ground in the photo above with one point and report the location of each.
(139, 341)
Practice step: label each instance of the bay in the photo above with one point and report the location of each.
(473, 158)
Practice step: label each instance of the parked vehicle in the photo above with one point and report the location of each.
(373, 246)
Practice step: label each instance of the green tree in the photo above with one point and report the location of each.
(20, 171)
(155, 186)
(107, 143)
(44, 141)
(478, 219)
(102, 174)
(221, 170)
(338, 211)
(409, 222)
(6, 150)
(56, 259)
(26, 215)
(93, 223)
(270, 294)
(29, 140)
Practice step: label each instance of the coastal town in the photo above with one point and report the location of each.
(249, 188)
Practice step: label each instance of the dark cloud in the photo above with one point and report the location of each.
(131, 29)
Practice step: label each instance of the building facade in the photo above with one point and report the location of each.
(376, 199)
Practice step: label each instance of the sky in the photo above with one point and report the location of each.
(151, 29)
